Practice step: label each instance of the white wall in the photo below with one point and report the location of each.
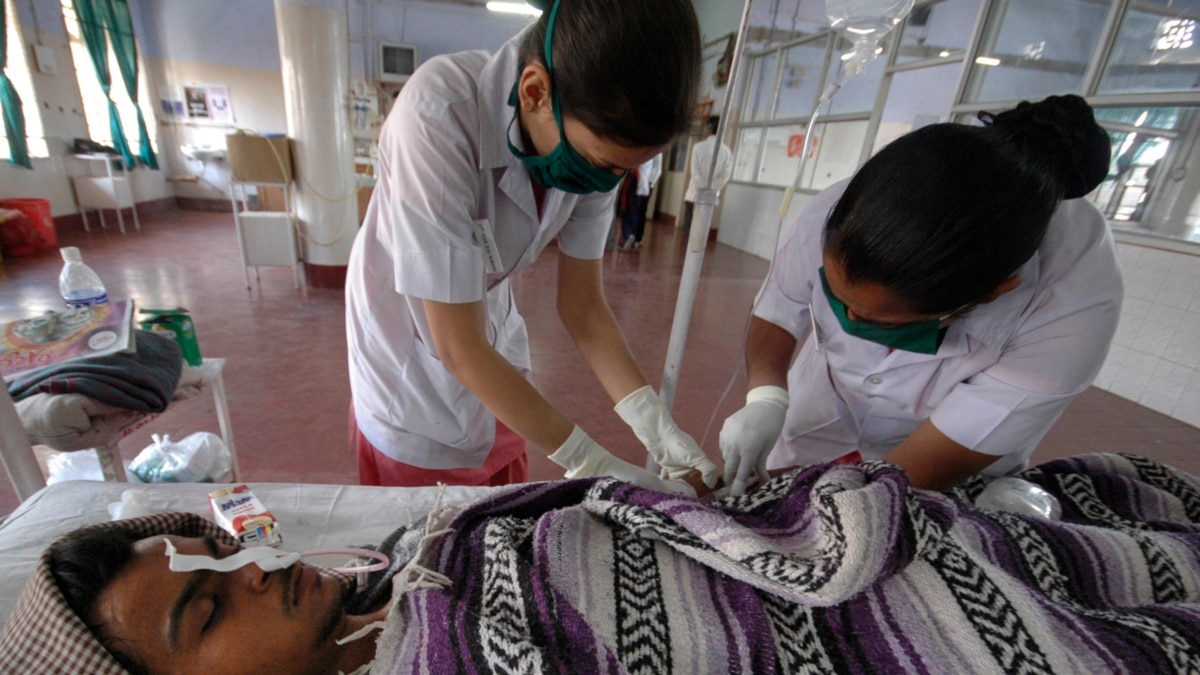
(235, 43)
(1155, 356)
(257, 102)
(750, 217)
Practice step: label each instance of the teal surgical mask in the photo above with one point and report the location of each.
(922, 337)
(564, 168)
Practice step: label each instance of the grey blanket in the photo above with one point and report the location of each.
(143, 380)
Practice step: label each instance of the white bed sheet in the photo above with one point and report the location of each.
(310, 516)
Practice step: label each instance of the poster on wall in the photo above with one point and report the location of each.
(170, 103)
(207, 103)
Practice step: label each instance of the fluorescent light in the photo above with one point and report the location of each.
(514, 8)
(987, 61)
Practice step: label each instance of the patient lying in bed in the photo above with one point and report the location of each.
(826, 569)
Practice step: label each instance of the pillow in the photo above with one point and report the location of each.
(44, 635)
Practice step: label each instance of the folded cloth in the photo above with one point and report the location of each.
(191, 382)
(69, 422)
(143, 380)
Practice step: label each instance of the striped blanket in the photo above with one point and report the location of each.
(823, 570)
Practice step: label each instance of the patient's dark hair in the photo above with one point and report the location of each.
(627, 70)
(944, 214)
(83, 565)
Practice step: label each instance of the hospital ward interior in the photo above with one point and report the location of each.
(794, 336)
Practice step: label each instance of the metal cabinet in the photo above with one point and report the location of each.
(265, 238)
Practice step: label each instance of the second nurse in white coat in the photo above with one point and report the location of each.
(483, 162)
(952, 298)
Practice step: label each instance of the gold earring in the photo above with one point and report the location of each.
(528, 106)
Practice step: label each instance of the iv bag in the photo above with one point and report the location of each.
(866, 19)
(864, 22)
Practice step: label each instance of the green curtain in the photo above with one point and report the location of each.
(120, 32)
(91, 27)
(14, 116)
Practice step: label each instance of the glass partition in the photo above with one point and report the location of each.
(1157, 49)
(1035, 48)
(938, 31)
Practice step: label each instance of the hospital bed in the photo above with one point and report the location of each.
(1130, 553)
(311, 517)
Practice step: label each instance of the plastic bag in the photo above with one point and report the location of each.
(77, 465)
(199, 458)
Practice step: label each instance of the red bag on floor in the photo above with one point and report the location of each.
(26, 226)
(17, 233)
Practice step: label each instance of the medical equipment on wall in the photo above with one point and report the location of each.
(864, 23)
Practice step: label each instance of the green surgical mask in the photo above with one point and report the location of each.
(564, 168)
(922, 337)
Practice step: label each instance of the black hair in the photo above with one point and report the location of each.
(714, 121)
(83, 565)
(626, 69)
(944, 214)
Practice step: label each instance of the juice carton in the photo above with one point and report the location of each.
(175, 324)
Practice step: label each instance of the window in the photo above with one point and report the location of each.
(1135, 63)
(18, 73)
(1157, 49)
(95, 107)
(1035, 48)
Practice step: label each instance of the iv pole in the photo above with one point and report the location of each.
(706, 200)
(866, 29)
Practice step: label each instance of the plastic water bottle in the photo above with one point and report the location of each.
(80, 286)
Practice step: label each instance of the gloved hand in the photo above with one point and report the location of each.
(749, 434)
(676, 452)
(582, 456)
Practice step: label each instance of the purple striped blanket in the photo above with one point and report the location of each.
(823, 570)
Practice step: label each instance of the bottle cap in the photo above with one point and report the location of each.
(71, 254)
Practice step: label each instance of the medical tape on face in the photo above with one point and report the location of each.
(267, 558)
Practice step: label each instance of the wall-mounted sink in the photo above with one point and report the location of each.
(202, 153)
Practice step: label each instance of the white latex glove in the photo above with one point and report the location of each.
(582, 456)
(749, 434)
(676, 452)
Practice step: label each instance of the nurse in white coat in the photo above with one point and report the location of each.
(483, 162)
(947, 303)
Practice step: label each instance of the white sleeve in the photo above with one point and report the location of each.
(586, 231)
(1059, 345)
(1011, 405)
(430, 184)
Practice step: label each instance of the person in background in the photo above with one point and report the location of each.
(483, 162)
(948, 302)
(633, 215)
(701, 162)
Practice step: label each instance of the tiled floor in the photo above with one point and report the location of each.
(285, 348)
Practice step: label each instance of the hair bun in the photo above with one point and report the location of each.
(1063, 128)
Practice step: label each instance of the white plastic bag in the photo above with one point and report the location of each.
(199, 458)
(76, 465)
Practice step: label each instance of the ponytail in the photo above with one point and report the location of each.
(946, 213)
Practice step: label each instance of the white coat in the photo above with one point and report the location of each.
(1002, 376)
(702, 154)
(444, 166)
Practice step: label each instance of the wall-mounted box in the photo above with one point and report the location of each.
(259, 159)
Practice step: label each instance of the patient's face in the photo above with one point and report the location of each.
(212, 622)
